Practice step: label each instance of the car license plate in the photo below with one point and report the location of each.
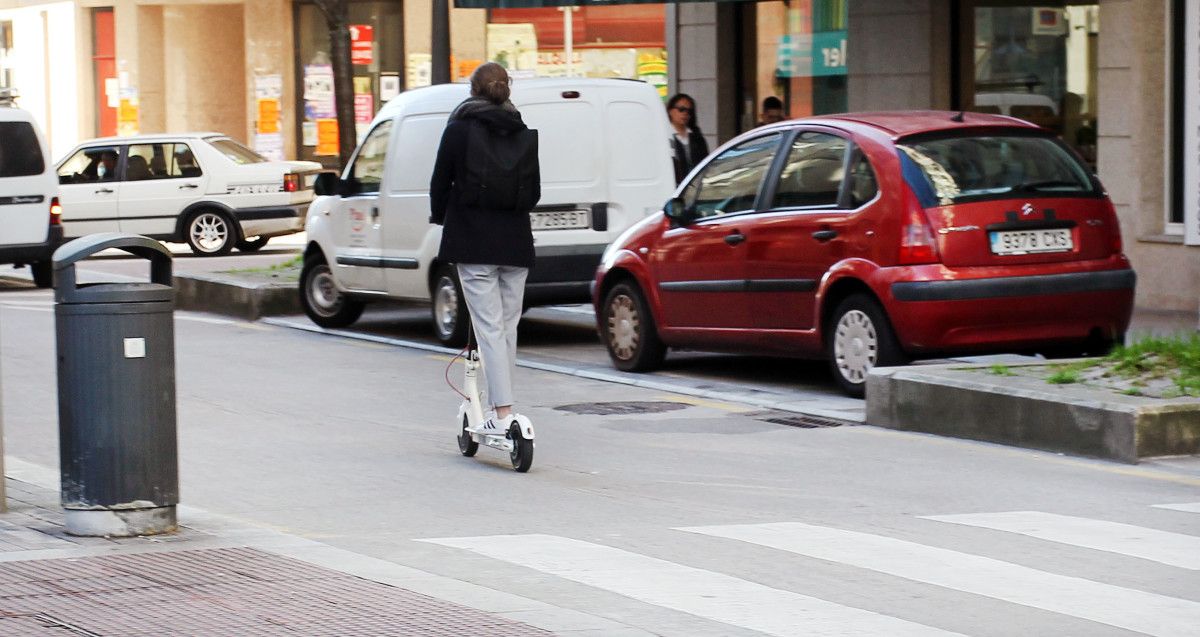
(560, 219)
(1012, 242)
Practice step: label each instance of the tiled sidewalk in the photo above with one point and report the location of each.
(165, 585)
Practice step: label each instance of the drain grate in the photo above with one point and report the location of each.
(621, 408)
(803, 421)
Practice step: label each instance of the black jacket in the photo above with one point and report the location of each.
(472, 235)
(686, 160)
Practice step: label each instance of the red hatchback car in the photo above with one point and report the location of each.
(870, 239)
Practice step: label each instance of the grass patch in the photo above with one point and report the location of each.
(1000, 370)
(1176, 359)
(290, 264)
(1064, 376)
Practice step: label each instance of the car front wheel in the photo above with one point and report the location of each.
(860, 338)
(628, 330)
(211, 233)
(322, 301)
(252, 245)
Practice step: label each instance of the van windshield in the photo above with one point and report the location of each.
(20, 152)
(947, 170)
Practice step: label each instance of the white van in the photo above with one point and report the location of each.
(605, 164)
(30, 216)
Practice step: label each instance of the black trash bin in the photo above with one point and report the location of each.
(116, 393)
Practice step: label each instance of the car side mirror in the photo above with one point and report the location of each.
(327, 184)
(676, 210)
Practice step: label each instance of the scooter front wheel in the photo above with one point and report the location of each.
(522, 451)
(466, 444)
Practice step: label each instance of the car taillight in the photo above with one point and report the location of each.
(1114, 231)
(917, 243)
(291, 182)
(55, 212)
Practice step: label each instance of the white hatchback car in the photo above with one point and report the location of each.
(204, 189)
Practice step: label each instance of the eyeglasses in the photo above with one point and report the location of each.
(683, 109)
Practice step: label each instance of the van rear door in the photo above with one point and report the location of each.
(25, 189)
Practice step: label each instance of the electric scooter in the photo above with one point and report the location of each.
(517, 441)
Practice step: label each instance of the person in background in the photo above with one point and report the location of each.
(688, 142)
(772, 111)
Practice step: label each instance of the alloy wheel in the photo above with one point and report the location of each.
(209, 231)
(322, 293)
(445, 305)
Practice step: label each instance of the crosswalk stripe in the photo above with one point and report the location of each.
(1104, 603)
(1172, 549)
(698, 592)
(1190, 507)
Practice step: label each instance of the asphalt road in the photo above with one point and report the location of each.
(678, 517)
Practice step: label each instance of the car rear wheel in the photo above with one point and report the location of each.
(210, 233)
(252, 245)
(43, 274)
(322, 301)
(451, 319)
(628, 330)
(859, 338)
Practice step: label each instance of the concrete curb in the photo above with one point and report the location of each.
(952, 400)
(233, 297)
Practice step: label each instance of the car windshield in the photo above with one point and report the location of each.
(943, 171)
(236, 153)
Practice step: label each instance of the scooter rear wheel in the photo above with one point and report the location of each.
(466, 444)
(522, 451)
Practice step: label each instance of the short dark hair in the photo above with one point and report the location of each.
(692, 118)
(772, 103)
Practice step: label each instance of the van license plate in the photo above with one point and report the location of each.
(1013, 242)
(560, 219)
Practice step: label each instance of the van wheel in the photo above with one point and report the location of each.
(43, 274)
(252, 245)
(451, 320)
(322, 301)
(210, 233)
(628, 330)
(858, 339)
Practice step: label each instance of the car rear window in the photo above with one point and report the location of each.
(20, 152)
(236, 153)
(943, 171)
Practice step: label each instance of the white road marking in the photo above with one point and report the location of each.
(1104, 603)
(1190, 507)
(690, 590)
(1172, 549)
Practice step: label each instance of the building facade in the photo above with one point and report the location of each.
(1119, 80)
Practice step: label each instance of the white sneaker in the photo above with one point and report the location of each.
(493, 426)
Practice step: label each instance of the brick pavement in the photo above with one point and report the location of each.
(165, 585)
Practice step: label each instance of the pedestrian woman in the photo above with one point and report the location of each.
(687, 142)
(491, 244)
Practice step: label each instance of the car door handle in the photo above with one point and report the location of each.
(734, 238)
(374, 213)
(188, 186)
(824, 235)
(107, 191)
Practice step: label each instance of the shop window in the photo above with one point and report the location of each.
(1035, 61)
(1177, 122)
(802, 56)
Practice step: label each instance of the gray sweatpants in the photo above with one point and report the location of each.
(494, 294)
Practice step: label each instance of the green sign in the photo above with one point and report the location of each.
(812, 54)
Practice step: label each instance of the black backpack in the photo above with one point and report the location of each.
(501, 169)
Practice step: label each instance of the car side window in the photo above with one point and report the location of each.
(731, 181)
(368, 166)
(160, 161)
(812, 175)
(90, 165)
(863, 185)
